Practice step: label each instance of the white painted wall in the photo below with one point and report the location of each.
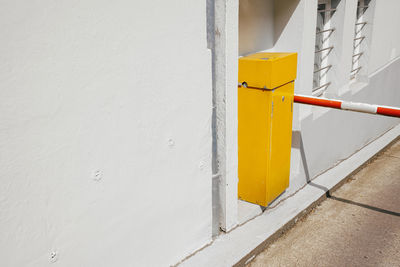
(225, 73)
(256, 25)
(385, 38)
(105, 111)
(105, 141)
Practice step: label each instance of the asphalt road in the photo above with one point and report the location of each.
(359, 225)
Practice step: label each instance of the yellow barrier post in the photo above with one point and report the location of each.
(265, 108)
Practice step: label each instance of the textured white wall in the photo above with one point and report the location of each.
(105, 140)
(105, 116)
(225, 78)
(256, 25)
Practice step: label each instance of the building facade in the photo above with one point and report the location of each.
(118, 119)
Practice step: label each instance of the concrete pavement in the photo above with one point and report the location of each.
(358, 225)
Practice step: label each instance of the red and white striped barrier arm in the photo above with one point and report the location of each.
(345, 105)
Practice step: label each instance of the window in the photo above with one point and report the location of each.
(323, 46)
(359, 38)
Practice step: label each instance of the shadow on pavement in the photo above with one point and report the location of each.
(364, 206)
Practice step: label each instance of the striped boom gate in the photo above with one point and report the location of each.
(346, 105)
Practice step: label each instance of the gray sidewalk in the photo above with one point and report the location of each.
(359, 225)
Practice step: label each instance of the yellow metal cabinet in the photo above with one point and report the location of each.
(265, 107)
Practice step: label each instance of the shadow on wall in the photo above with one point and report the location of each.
(297, 142)
(261, 23)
